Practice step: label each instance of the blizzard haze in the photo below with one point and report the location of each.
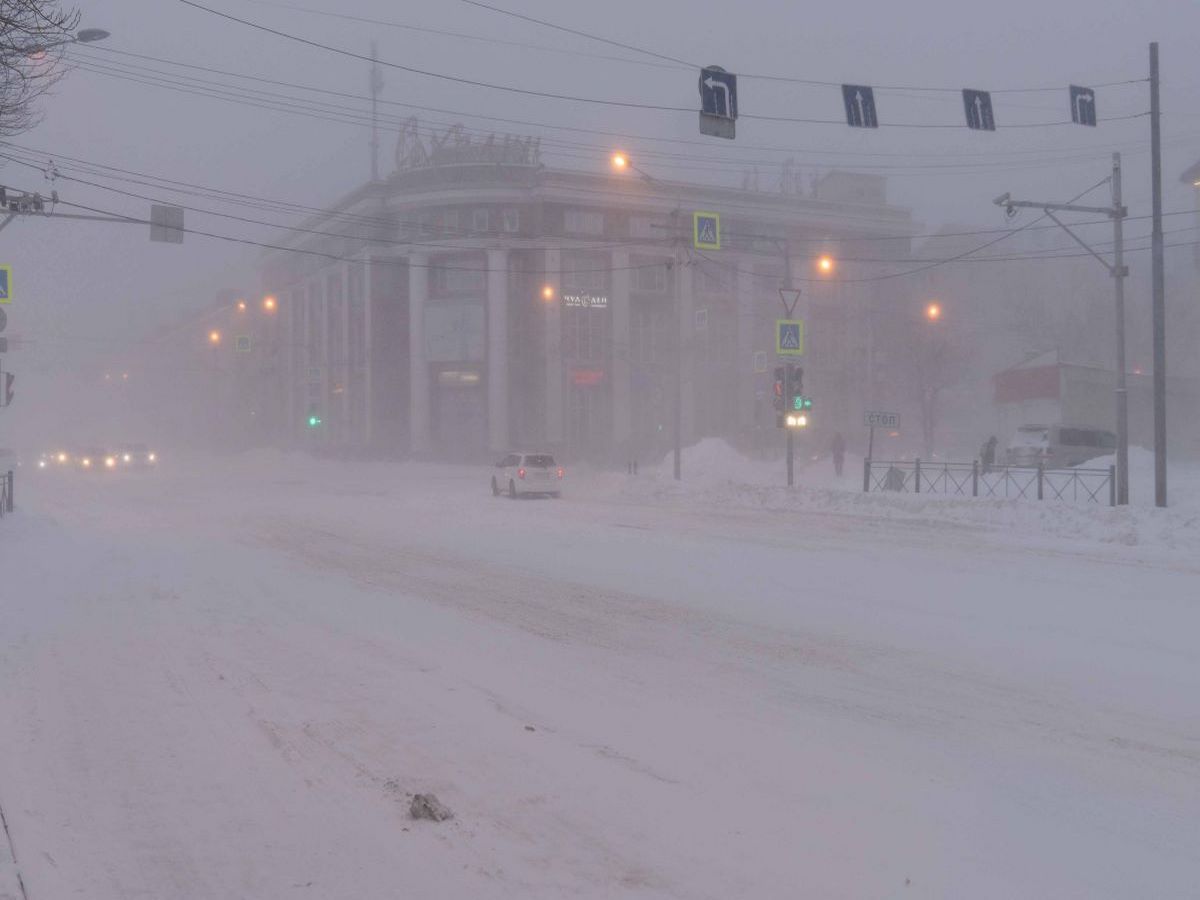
(474, 528)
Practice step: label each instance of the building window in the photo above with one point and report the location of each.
(583, 221)
(480, 221)
(457, 276)
(649, 275)
(647, 228)
(586, 272)
(512, 220)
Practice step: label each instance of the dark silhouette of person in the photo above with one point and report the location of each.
(838, 448)
(987, 455)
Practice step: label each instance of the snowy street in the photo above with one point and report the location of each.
(623, 693)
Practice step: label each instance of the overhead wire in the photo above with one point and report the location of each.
(574, 98)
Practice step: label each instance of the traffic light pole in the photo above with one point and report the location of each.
(791, 442)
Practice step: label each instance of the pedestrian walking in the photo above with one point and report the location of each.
(987, 455)
(838, 448)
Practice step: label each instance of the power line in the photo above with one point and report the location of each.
(756, 75)
(559, 127)
(551, 95)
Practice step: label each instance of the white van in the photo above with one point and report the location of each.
(1055, 446)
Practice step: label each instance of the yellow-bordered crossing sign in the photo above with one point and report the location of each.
(5, 284)
(706, 230)
(789, 337)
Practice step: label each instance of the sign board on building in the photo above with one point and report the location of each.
(882, 420)
(242, 343)
(587, 377)
(5, 284)
(585, 301)
(166, 224)
(706, 230)
(455, 332)
(789, 337)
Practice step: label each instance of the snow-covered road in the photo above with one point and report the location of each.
(227, 680)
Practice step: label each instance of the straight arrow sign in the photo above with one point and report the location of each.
(859, 100)
(978, 107)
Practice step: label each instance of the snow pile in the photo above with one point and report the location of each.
(715, 475)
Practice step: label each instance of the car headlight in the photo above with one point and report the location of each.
(87, 463)
(153, 457)
(41, 464)
(110, 461)
(62, 457)
(127, 458)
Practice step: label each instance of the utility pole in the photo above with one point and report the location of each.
(1118, 271)
(1158, 299)
(677, 290)
(376, 88)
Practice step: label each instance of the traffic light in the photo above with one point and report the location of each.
(780, 387)
(795, 385)
(314, 418)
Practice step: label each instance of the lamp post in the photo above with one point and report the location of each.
(83, 36)
(622, 163)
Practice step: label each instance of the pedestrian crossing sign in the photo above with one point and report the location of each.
(706, 230)
(5, 284)
(789, 337)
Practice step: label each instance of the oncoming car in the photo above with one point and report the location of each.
(137, 456)
(519, 474)
(96, 460)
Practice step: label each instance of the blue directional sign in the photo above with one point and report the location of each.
(978, 107)
(859, 100)
(1083, 106)
(5, 284)
(718, 92)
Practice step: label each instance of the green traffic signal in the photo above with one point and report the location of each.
(314, 420)
(801, 403)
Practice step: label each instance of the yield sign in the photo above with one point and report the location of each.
(790, 297)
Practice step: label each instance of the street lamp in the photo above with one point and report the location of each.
(548, 292)
(269, 304)
(241, 306)
(214, 337)
(826, 264)
(620, 161)
(933, 312)
(83, 36)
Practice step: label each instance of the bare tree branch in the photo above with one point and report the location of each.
(29, 66)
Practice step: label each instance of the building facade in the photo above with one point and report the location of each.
(476, 300)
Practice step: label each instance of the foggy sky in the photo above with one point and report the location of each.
(84, 288)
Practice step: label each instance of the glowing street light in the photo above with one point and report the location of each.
(933, 312)
(620, 161)
(214, 337)
(826, 264)
(269, 304)
(241, 306)
(548, 292)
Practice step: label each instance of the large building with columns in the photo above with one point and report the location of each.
(476, 300)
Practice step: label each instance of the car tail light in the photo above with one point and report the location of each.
(521, 474)
(560, 472)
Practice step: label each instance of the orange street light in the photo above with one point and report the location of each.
(269, 304)
(620, 161)
(214, 337)
(933, 312)
(826, 264)
(548, 292)
(241, 306)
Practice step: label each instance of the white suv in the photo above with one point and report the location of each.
(527, 473)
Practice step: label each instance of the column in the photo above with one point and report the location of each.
(554, 362)
(418, 414)
(620, 374)
(497, 350)
(746, 402)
